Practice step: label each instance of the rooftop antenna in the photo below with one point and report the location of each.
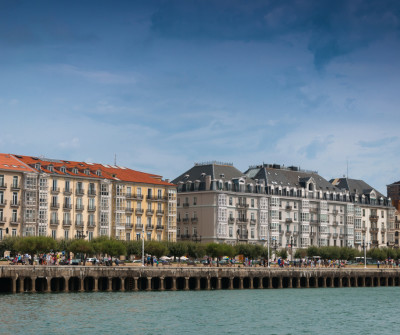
(115, 159)
(347, 175)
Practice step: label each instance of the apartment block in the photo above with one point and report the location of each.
(66, 199)
(286, 206)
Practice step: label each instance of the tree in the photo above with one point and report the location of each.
(157, 249)
(81, 247)
(282, 253)
(113, 248)
(312, 251)
(195, 250)
(177, 249)
(300, 253)
(36, 244)
(9, 244)
(133, 248)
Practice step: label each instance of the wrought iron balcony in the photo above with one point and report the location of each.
(289, 220)
(149, 212)
(79, 207)
(79, 191)
(288, 208)
(231, 220)
(91, 193)
(241, 205)
(3, 186)
(15, 204)
(3, 202)
(67, 191)
(54, 205)
(185, 220)
(160, 212)
(159, 227)
(138, 226)
(79, 223)
(253, 221)
(149, 227)
(139, 211)
(55, 190)
(3, 219)
(67, 207)
(66, 222)
(91, 208)
(194, 220)
(15, 221)
(128, 225)
(129, 209)
(15, 186)
(54, 222)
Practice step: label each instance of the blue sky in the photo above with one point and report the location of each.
(164, 84)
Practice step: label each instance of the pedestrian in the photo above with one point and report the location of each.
(378, 263)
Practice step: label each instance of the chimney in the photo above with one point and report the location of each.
(208, 182)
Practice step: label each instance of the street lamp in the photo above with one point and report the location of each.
(291, 248)
(365, 252)
(196, 238)
(142, 245)
(268, 244)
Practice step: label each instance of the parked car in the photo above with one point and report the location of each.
(75, 261)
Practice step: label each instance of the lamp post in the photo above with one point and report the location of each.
(196, 238)
(143, 245)
(291, 249)
(365, 253)
(268, 244)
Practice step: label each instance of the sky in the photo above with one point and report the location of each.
(163, 84)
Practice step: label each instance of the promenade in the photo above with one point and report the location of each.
(27, 278)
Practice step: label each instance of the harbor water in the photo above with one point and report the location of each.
(290, 311)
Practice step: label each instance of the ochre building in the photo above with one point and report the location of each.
(66, 199)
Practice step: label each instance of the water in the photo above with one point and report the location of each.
(287, 311)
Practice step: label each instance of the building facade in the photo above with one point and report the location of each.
(65, 199)
(289, 207)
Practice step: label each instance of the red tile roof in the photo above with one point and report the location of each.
(8, 162)
(107, 171)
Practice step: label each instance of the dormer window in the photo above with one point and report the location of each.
(62, 169)
(87, 172)
(75, 170)
(50, 168)
(98, 172)
(37, 166)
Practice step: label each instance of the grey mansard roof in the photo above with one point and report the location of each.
(355, 186)
(289, 177)
(215, 170)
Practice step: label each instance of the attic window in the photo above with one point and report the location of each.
(98, 172)
(75, 170)
(37, 166)
(114, 175)
(62, 169)
(50, 168)
(87, 171)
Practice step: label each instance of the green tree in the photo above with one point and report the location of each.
(134, 248)
(300, 253)
(9, 244)
(177, 249)
(36, 244)
(113, 248)
(196, 250)
(282, 253)
(312, 251)
(82, 247)
(157, 249)
(216, 250)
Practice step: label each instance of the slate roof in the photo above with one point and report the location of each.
(199, 171)
(355, 186)
(286, 177)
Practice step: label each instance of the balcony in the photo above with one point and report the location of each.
(55, 190)
(54, 222)
(373, 218)
(194, 220)
(3, 186)
(289, 220)
(149, 212)
(335, 235)
(149, 198)
(54, 205)
(313, 210)
(185, 204)
(288, 208)
(288, 233)
(161, 198)
(3, 219)
(67, 191)
(185, 236)
(243, 237)
(335, 212)
(242, 206)
(91, 208)
(383, 230)
(374, 230)
(139, 211)
(253, 221)
(341, 235)
(159, 227)
(3, 202)
(374, 243)
(15, 221)
(129, 210)
(185, 220)
(160, 212)
(91, 224)
(66, 223)
(128, 225)
(91, 193)
(335, 223)
(79, 191)
(314, 222)
(15, 186)
(139, 196)
(242, 220)
(15, 204)
(138, 226)
(79, 207)
(79, 224)
(231, 220)
(67, 207)
(313, 233)
(295, 233)
(130, 196)
(149, 227)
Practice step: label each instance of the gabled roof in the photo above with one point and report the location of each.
(9, 162)
(86, 170)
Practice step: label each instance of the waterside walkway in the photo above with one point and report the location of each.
(15, 279)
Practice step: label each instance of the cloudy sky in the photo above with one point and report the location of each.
(164, 84)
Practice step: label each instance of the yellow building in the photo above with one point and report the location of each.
(67, 199)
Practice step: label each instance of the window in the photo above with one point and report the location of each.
(54, 185)
(1, 180)
(230, 201)
(14, 215)
(252, 203)
(382, 214)
(159, 194)
(138, 236)
(1, 215)
(15, 182)
(194, 201)
(1, 197)
(15, 198)
(149, 236)
(66, 234)
(67, 186)
(90, 235)
(14, 232)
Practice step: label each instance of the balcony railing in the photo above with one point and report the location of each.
(160, 212)
(91, 224)
(67, 207)
(54, 222)
(15, 186)
(91, 208)
(3, 219)
(185, 220)
(241, 205)
(149, 212)
(79, 191)
(3, 202)
(194, 220)
(3, 186)
(231, 220)
(149, 227)
(185, 204)
(91, 193)
(242, 220)
(54, 206)
(138, 226)
(129, 210)
(139, 211)
(128, 225)
(67, 191)
(15, 221)
(66, 222)
(253, 221)
(15, 204)
(79, 207)
(55, 190)
(79, 223)
(335, 235)
(288, 220)
(295, 233)
(159, 227)
(288, 208)
(185, 236)
(243, 237)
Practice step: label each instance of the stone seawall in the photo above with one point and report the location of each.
(14, 279)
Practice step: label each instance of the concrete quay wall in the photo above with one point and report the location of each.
(14, 279)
